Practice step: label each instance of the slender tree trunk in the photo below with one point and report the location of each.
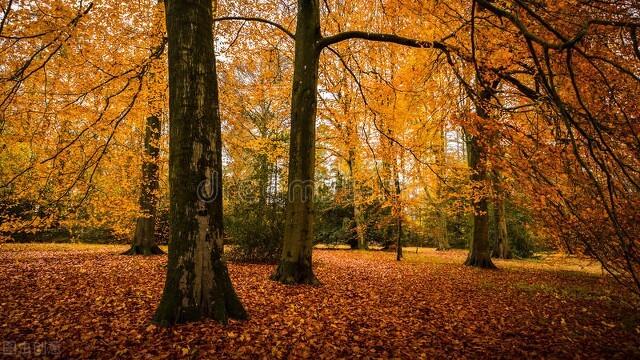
(296, 265)
(144, 236)
(143, 242)
(502, 249)
(358, 219)
(198, 284)
(480, 252)
(399, 255)
(398, 212)
(263, 174)
(443, 236)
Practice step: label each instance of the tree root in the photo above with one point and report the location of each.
(290, 273)
(144, 250)
(481, 262)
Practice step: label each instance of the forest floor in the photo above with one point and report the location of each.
(86, 301)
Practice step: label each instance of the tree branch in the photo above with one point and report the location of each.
(256, 19)
(379, 37)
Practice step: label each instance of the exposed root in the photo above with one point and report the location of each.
(290, 273)
(144, 250)
(480, 261)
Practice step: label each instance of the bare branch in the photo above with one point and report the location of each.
(379, 37)
(256, 19)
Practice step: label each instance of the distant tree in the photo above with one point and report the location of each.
(144, 237)
(501, 250)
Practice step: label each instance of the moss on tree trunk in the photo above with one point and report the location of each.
(198, 284)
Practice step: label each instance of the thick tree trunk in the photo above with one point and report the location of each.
(480, 253)
(144, 236)
(198, 284)
(295, 265)
(502, 249)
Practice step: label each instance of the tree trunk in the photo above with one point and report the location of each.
(263, 174)
(398, 212)
(143, 242)
(358, 218)
(198, 284)
(442, 235)
(295, 265)
(144, 237)
(480, 254)
(502, 249)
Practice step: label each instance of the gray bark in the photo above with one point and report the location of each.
(502, 249)
(198, 284)
(442, 236)
(480, 252)
(397, 212)
(144, 236)
(358, 216)
(296, 264)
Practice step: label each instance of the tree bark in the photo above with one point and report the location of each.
(143, 242)
(398, 211)
(198, 284)
(358, 218)
(144, 236)
(480, 254)
(296, 264)
(502, 249)
(442, 236)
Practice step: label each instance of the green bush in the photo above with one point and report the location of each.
(257, 238)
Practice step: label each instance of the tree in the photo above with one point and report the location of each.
(442, 240)
(573, 67)
(84, 168)
(296, 262)
(144, 236)
(198, 284)
(295, 265)
(480, 250)
(501, 249)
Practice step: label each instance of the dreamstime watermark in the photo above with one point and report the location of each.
(208, 190)
(30, 349)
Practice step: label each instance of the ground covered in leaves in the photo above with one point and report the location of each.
(89, 302)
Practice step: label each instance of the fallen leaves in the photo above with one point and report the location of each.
(97, 304)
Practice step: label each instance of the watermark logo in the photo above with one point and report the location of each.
(30, 349)
(300, 191)
(209, 190)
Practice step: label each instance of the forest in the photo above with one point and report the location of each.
(280, 179)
